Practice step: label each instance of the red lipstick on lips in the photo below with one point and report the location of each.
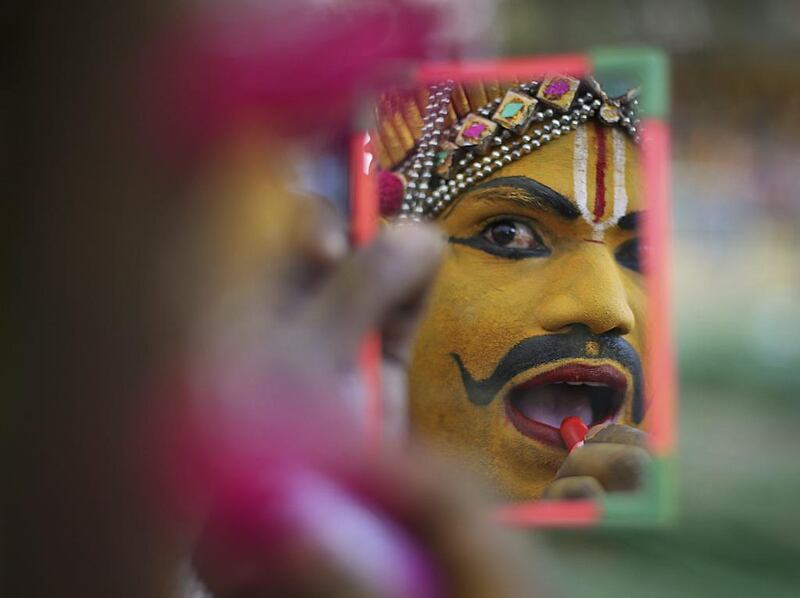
(592, 394)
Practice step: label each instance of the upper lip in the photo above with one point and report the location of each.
(605, 388)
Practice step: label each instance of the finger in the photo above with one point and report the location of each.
(393, 272)
(399, 327)
(325, 239)
(618, 434)
(617, 467)
(575, 487)
(394, 399)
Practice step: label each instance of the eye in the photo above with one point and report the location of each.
(512, 234)
(510, 238)
(627, 255)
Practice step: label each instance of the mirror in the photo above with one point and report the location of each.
(543, 359)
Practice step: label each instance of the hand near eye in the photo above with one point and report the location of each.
(613, 459)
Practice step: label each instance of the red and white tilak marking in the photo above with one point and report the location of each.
(599, 217)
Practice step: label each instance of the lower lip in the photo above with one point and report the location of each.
(548, 435)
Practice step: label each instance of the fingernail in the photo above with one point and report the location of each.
(593, 431)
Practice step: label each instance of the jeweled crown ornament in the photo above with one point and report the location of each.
(439, 143)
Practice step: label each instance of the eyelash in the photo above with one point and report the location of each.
(513, 253)
(478, 241)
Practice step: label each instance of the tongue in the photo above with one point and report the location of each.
(552, 403)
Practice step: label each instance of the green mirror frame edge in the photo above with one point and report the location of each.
(656, 502)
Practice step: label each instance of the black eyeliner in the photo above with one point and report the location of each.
(511, 253)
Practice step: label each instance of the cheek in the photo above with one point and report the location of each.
(637, 300)
(481, 306)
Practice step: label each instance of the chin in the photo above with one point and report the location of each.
(518, 468)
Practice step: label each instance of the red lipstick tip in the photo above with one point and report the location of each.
(573, 431)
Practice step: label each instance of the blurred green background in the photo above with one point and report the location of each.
(736, 280)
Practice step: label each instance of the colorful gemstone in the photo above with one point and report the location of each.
(515, 111)
(558, 92)
(556, 89)
(474, 130)
(511, 109)
(443, 159)
(609, 114)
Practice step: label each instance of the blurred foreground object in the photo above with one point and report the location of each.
(120, 258)
(297, 69)
(275, 365)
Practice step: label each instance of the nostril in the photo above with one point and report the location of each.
(606, 313)
(601, 327)
(615, 319)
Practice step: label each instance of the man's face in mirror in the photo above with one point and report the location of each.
(538, 310)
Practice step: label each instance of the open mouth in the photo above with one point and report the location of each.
(595, 394)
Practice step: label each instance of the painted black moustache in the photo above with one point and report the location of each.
(539, 350)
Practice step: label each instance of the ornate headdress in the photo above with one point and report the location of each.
(434, 145)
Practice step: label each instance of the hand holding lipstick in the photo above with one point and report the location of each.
(611, 458)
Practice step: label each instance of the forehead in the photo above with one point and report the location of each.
(597, 168)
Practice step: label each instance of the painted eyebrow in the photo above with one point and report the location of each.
(538, 193)
(629, 221)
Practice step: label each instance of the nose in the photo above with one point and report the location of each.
(587, 289)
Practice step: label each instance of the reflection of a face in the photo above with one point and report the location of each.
(538, 310)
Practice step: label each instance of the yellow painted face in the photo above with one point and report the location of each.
(538, 310)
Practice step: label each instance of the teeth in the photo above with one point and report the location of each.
(582, 383)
